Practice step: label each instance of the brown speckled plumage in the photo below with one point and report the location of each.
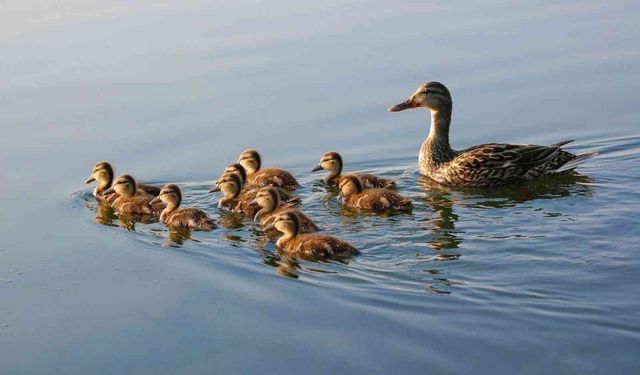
(252, 162)
(130, 200)
(310, 246)
(332, 162)
(176, 217)
(490, 164)
(252, 190)
(374, 199)
(268, 199)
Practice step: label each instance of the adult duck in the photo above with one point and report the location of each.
(490, 164)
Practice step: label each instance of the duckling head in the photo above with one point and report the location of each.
(432, 95)
(238, 169)
(230, 184)
(330, 161)
(268, 199)
(170, 195)
(124, 185)
(250, 160)
(350, 184)
(287, 223)
(103, 173)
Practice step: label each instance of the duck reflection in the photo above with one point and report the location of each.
(443, 199)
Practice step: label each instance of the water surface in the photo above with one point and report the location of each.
(536, 277)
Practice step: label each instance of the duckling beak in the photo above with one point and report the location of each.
(155, 200)
(253, 202)
(407, 104)
(90, 180)
(269, 227)
(317, 168)
(214, 189)
(109, 191)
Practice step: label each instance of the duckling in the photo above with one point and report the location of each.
(251, 161)
(252, 190)
(175, 217)
(270, 204)
(355, 196)
(235, 199)
(332, 162)
(103, 173)
(312, 246)
(485, 165)
(130, 202)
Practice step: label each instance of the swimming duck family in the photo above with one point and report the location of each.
(266, 195)
(485, 165)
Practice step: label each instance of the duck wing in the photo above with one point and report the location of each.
(502, 155)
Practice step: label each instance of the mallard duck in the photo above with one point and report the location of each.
(175, 217)
(310, 246)
(489, 164)
(103, 173)
(251, 161)
(268, 199)
(235, 199)
(354, 195)
(332, 162)
(128, 201)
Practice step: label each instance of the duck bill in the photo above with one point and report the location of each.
(408, 104)
(253, 202)
(317, 168)
(109, 191)
(214, 189)
(155, 200)
(90, 180)
(269, 227)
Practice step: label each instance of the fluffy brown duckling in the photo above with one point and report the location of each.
(252, 190)
(268, 199)
(128, 201)
(251, 161)
(355, 196)
(175, 217)
(332, 162)
(311, 246)
(103, 173)
(235, 199)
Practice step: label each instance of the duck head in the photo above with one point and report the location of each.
(432, 95)
(124, 185)
(250, 160)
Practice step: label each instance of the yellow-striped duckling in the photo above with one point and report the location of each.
(175, 217)
(268, 199)
(375, 199)
(332, 162)
(128, 201)
(235, 199)
(311, 246)
(103, 173)
(251, 161)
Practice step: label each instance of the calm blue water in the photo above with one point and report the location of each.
(542, 277)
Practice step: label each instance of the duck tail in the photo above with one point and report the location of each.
(573, 163)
